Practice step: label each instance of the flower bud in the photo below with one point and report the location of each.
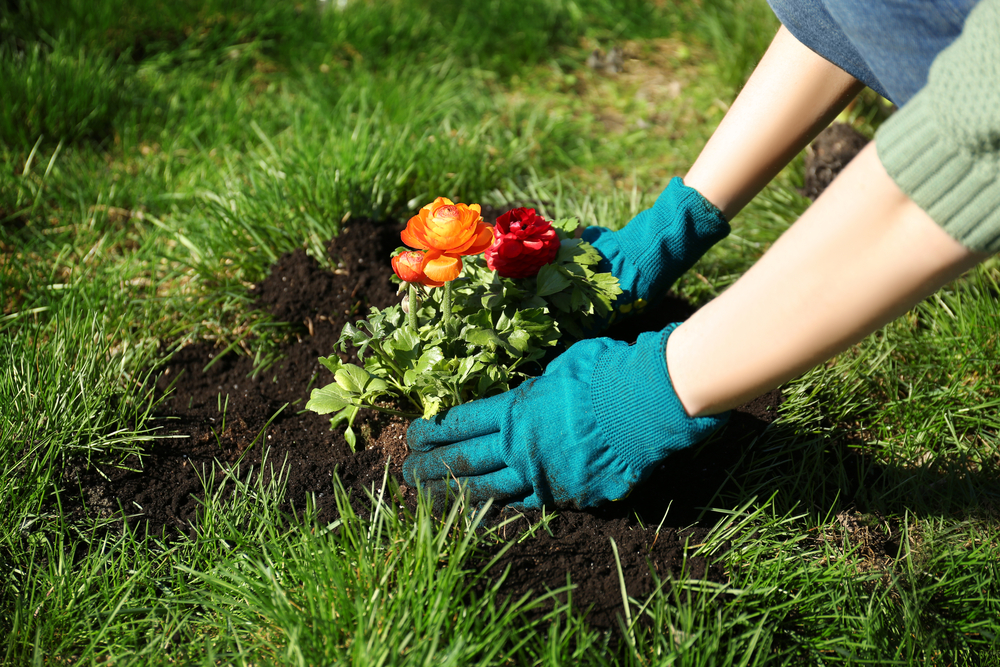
(409, 267)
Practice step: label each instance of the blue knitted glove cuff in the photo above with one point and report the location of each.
(636, 408)
(666, 240)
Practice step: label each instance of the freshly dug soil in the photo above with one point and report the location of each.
(828, 154)
(218, 415)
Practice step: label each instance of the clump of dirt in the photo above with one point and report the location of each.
(220, 416)
(828, 154)
(648, 558)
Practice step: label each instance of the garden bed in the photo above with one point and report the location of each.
(224, 417)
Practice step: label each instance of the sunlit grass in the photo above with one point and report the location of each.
(158, 158)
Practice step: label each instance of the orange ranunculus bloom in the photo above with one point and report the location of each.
(408, 266)
(447, 231)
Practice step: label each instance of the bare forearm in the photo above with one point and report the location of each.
(861, 256)
(791, 96)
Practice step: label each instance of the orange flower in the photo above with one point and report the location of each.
(407, 266)
(447, 231)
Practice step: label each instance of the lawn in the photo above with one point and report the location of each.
(160, 158)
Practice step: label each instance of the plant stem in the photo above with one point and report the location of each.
(446, 304)
(411, 317)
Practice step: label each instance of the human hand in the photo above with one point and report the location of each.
(589, 430)
(658, 245)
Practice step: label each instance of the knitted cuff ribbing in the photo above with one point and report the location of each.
(680, 228)
(959, 190)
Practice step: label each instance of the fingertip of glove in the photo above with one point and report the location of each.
(418, 435)
(409, 464)
(591, 234)
(532, 502)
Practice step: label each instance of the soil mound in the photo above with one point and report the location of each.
(828, 154)
(220, 415)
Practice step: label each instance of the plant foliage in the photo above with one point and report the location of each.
(498, 332)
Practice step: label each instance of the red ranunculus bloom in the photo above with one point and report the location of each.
(523, 242)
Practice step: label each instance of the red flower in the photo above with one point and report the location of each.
(409, 267)
(523, 242)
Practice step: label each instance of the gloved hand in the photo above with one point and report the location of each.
(658, 245)
(590, 429)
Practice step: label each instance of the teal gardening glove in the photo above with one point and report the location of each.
(589, 430)
(658, 245)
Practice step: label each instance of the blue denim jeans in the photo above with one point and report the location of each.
(887, 44)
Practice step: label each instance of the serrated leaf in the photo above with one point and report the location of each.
(432, 405)
(550, 280)
(602, 305)
(481, 319)
(532, 320)
(567, 225)
(607, 283)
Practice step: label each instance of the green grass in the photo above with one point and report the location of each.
(159, 157)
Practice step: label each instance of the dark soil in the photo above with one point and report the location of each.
(828, 154)
(163, 494)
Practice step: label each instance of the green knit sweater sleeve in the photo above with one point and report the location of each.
(943, 147)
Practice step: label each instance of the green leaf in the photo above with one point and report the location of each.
(403, 347)
(482, 337)
(532, 320)
(331, 363)
(467, 367)
(579, 301)
(375, 386)
(520, 340)
(346, 415)
(428, 360)
(562, 302)
(550, 280)
(352, 378)
(405, 339)
(607, 283)
(351, 439)
(491, 301)
(432, 405)
(567, 225)
(534, 302)
(328, 399)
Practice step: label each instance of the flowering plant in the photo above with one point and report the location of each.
(471, 325)
(523, 243)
